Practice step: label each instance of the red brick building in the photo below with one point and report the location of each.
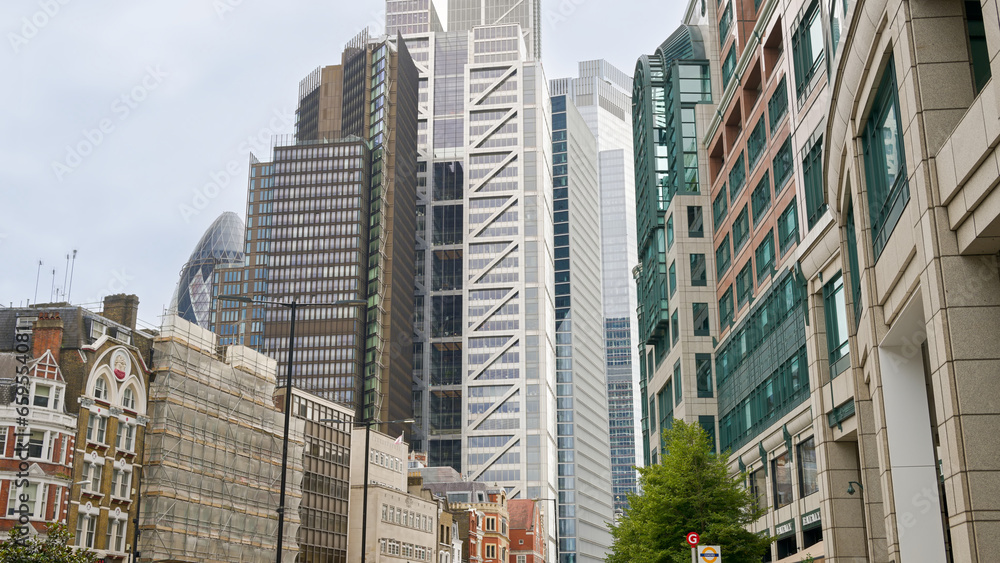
(527, 535)
(37, 437)
(87, 384)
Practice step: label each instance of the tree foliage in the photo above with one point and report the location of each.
(691, 491)
(51, 548)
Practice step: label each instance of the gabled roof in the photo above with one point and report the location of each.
(46, 365)
(522, 514)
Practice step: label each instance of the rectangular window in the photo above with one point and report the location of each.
(728, 66)
(777, 106)
(812, 177)
(979, 53)
(672, 278)
(674, 327)
(765, 256)
(722, 257)
(744, 283)
(726, 309)
(756, 142)
(758, 487)
(781, 474)
(116, 535)
(699, 277)
(782, 165)
(696, 222)
(678, 384)
(86, 525)
(719, 208)
(885, 161)
(808, 484)
(36, 442)
(42, 396)
(808, 49)
(670, 232)
(741, 229)
(838, 12)
(788, 227)
(93, 473)
(725, 23)
(852, 257)
(703, 369)
(738, 175)
(835, 309)
(666, 409)
(761, 199)
(14, 501)
(707, 424)
(700, 316)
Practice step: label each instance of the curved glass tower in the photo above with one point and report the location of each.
(221, 245)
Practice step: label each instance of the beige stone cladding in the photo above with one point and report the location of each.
(400, 526)
(927, 342)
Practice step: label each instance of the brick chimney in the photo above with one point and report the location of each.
(122, 309)
(47, 335)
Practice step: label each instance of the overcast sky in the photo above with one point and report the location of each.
(117, 117)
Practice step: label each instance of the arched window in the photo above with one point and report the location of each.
(101, 389)
(128, 399)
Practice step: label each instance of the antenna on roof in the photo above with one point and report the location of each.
(71, 268)
(38, 274)
(65, 276)
(52, 291)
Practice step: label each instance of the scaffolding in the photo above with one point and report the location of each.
(213, 454)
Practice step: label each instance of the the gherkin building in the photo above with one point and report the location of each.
(221, 245)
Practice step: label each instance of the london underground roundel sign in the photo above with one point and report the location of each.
(709, 554)
(693, 539)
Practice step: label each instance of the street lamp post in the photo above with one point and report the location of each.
(293, 307)
(555, 516)
(364, 500)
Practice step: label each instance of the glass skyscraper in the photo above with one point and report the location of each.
(603, 96)
(221, 246)
(584, 468)
(485, 350)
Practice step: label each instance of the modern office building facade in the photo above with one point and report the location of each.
(466, 15)
(762, 164)
(585, 504)
(855, 266)
(910, 179)
(326, 476)
(603, 96)
(331, 218)
(483, 356)
(677, 313)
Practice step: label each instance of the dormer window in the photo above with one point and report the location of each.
(128, 399)
(97, 330)
(101, 389)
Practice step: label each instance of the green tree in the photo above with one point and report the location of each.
(691, 491)
(52, 548)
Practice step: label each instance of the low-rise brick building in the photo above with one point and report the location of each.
(86, 403)
(527, 532)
